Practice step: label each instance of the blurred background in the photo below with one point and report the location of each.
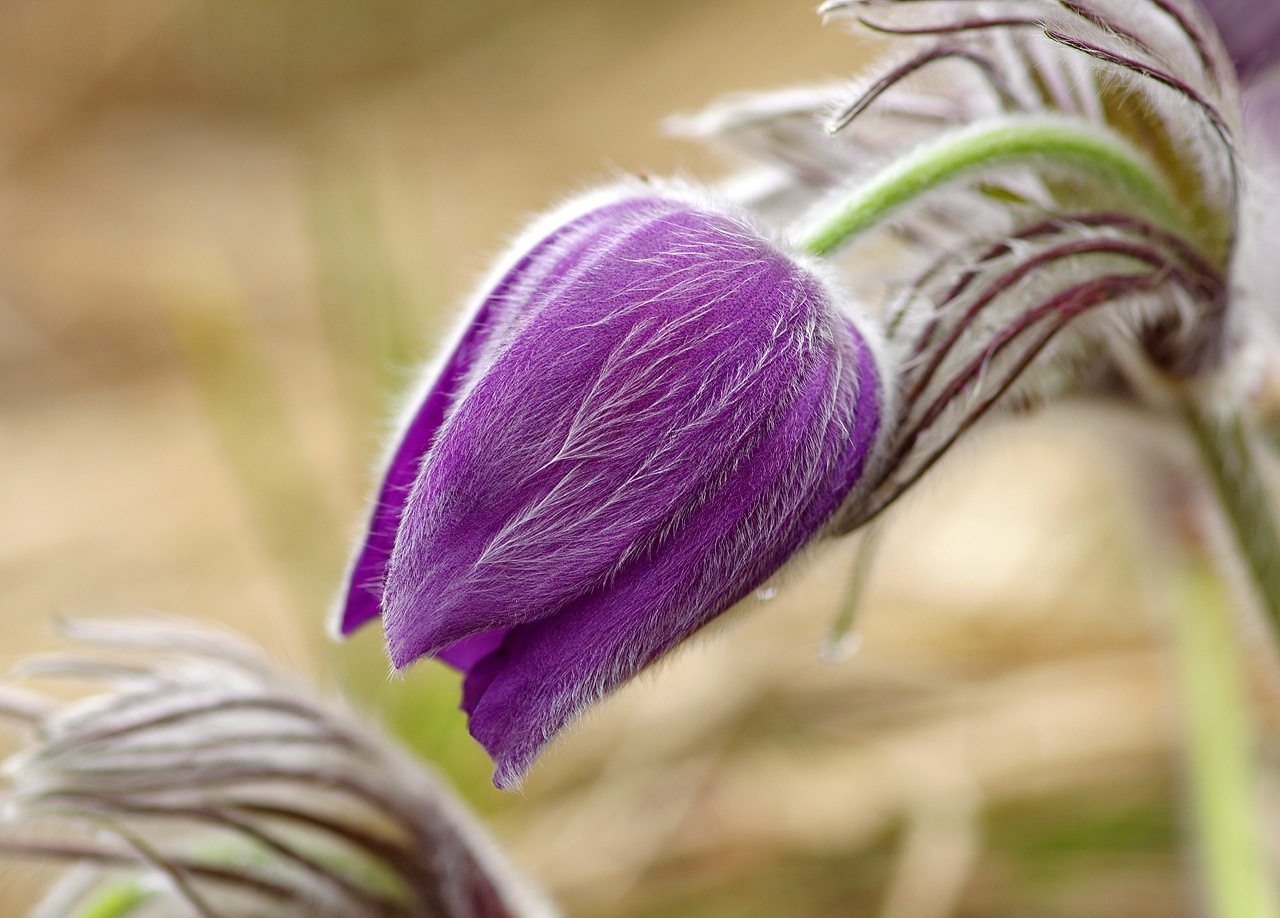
(230, 229)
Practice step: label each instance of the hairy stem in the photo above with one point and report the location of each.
(841, 641)
(1236, 881)
(1231, 459)
(119, 900)
(1093, 148)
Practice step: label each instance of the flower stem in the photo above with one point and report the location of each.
(1229, 455)
(1237, 883)
(841, 641)
(120, 900)
(1096, 148)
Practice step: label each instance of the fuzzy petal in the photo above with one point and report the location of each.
(466, 653)
(490, 325)
(776, 498)
(638, 384)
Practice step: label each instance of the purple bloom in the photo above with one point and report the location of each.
(651, 409)
(1251, 31)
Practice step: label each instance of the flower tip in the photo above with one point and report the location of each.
(401, 653)
(507, 778)
(408, 633)
(510, 766)
(411, 635)
(512, 740)
(353, 607)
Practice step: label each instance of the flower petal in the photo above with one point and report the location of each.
(634, 387)
(491, 321)
(776, 498)
(473, 648)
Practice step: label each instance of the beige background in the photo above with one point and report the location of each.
(228, 228)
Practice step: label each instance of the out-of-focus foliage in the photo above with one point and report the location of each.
(227, 230)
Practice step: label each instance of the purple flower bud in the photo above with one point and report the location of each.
(650, 411)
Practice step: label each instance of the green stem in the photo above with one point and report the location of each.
(1229, 455)
(841, 642)
(119, 900)
(1096, 148)
(1237, 880)
(1237, 883)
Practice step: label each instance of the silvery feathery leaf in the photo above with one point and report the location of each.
(1038, 277)
(795, 159)
(199, 781)
(1153, 70)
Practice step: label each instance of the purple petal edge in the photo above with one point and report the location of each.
(554, 466)
(364, 583)
(363, 592)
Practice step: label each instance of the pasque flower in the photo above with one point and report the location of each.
(651, 408)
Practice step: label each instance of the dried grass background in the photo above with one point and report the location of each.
(227, 231)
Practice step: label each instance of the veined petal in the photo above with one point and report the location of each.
(488, 326)
(638, 381)
(650, 411)
(773, 501)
